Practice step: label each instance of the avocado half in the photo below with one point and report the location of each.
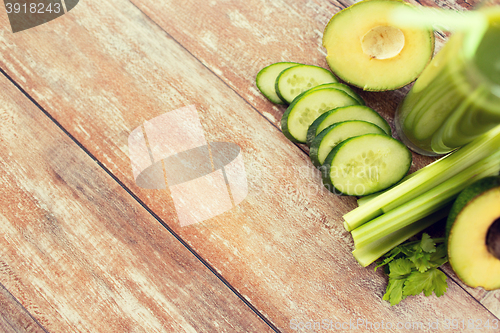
(473, 234)
(365, 50)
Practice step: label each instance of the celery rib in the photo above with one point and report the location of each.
(367, 254)
(427, 178)
(425, 204)
(361, 201)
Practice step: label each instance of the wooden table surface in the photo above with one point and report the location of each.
(83, 248)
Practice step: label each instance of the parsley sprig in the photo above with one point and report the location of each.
(413, 268)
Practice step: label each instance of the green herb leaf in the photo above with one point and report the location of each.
(421, 261)
(432, 280)
(427, 244)
(412, 269)
(420, 253)
(399, 268)
(389, 257)
(394, 291)
(439, 257)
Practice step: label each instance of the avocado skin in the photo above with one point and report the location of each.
(468, 194)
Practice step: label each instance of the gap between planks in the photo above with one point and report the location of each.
(301, 147)
(16, 316)
(140, 202)
(114, 177)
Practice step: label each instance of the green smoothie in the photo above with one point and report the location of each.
(455, 99)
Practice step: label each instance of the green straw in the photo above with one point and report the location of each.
(472, 23)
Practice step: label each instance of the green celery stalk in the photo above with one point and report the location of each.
(367, 254)
(425, 204)
(362, 200)
(426, 179)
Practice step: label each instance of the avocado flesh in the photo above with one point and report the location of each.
(474, 235)
(370, 63)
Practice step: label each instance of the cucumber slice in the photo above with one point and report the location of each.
(293, 81)
(266, 80)
(345, 88)
(366, 164)
(334, 134)
(304, 110)
(353, 112)
(339, 86)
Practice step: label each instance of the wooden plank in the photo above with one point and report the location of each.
(490, 299)
(492, 302)
(81, 255)
(283, 247)
(235, 40)
(280, 31)
(13, 317)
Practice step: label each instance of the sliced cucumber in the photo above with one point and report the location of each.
(365, 164)
(292, 81)
(266, 80)
(345, 88)
(304, 110)
(334, 134)
(353, 112)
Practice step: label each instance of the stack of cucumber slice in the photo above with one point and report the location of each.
(349, 142)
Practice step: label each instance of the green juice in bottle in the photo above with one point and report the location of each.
(455, 99)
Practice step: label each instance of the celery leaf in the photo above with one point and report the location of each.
(412, 269)
(427, 244)
(394, 292)
(399, 268)
(433, 280)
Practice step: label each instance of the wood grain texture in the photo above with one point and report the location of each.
(81, 255)
(284, 30)
(14, 318)
(284, 247)
(235, 40)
